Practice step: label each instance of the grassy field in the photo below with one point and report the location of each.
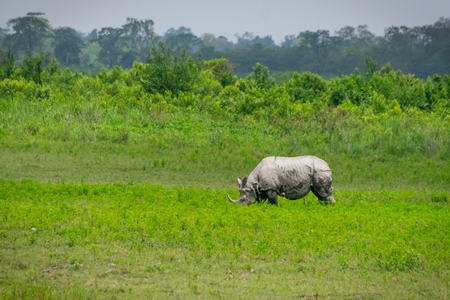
(85, 142)
(149, 241)
(102, 203)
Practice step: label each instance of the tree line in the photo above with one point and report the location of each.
(422, 50)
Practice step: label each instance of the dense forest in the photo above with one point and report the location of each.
(422, 51)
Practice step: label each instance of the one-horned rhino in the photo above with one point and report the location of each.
(290, 177)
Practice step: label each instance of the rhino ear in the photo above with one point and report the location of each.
(239, 181)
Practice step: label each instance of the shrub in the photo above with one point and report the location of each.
(352, 88)
(165, 72)
(31, 67)
(305, 87)
(407, 90)
(261, 77)
(7, 64)
(222, 70)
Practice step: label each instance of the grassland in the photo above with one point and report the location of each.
(148, 241)
(65, 141)
(114, 186)
(105, 202)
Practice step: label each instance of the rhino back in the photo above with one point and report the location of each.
(289, 175)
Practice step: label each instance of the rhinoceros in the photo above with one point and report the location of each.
(289, 177)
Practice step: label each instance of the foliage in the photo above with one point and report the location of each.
(31, 67)
(139, 36)
(7, 64)
(131, 42)
(421, 50)
(306, 87)
(387, 114)
(108, 39)
(167, 73)
(260, 75)
(181, 40)
(222, 70)
(29, 32)
(68, 45)
(212, 87)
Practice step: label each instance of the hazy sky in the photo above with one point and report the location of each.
(277, 18)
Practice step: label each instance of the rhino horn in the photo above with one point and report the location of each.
(231, 200)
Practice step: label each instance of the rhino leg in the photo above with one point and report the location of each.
(273, 197)
(321, 186)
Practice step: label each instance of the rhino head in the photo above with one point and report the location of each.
(248, 192)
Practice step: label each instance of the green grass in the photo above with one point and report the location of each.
(85, 142)
(58, 161)
(149, 241)
(101, 202)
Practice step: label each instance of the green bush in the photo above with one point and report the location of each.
(407, 90)
(352, 88)
(170, 82)
(167, 73)
(305, 87)
(222, 70)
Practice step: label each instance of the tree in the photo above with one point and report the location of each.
(364, 37)
(168, 73)
(7, 63)
(111, 48)
(319, 42)
(139, 37)
(182, 39)
(68, 45)
(93, 35)
(223, 70)
(219, 44)
(90, 53)
(289, 41)
(266, 41)
(371, 66)
(346, 34)
(29, 32)
(31, 66)
(248, 39)
(3, 33)
(398, 46)
(244, 41)
(260, 75)
(131, 42)
(437, 44)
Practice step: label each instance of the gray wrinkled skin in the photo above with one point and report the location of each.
(289, 177)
